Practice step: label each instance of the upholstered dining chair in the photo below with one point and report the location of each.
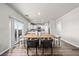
(47, 44)
(34, 43)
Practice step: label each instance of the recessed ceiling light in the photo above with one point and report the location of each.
(38, 13)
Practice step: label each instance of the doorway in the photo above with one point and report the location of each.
(16, 31)
(18, 28)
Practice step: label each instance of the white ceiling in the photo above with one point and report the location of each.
(43, 12)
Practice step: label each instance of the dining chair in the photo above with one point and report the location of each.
(34, 43)
(47, 44)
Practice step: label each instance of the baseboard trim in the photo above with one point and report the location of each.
(4, 51)
(70, 43)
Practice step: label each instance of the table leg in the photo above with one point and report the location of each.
(54, 42)
(59, 42)
(24, 43)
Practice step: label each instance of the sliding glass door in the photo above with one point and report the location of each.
(16, 31)
(19, 29)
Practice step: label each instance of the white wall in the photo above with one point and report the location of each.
(52, 25)
(70, 27)
(5, 12)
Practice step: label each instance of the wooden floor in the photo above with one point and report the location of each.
(65, 50)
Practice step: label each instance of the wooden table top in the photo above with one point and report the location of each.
(37, 36)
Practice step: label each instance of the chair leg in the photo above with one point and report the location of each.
(27, 50)
(36, 50)
(51, 50)
(43, 50)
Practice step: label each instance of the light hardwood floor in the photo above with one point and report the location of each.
(65, 50)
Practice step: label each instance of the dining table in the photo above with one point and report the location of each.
(47, 36)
